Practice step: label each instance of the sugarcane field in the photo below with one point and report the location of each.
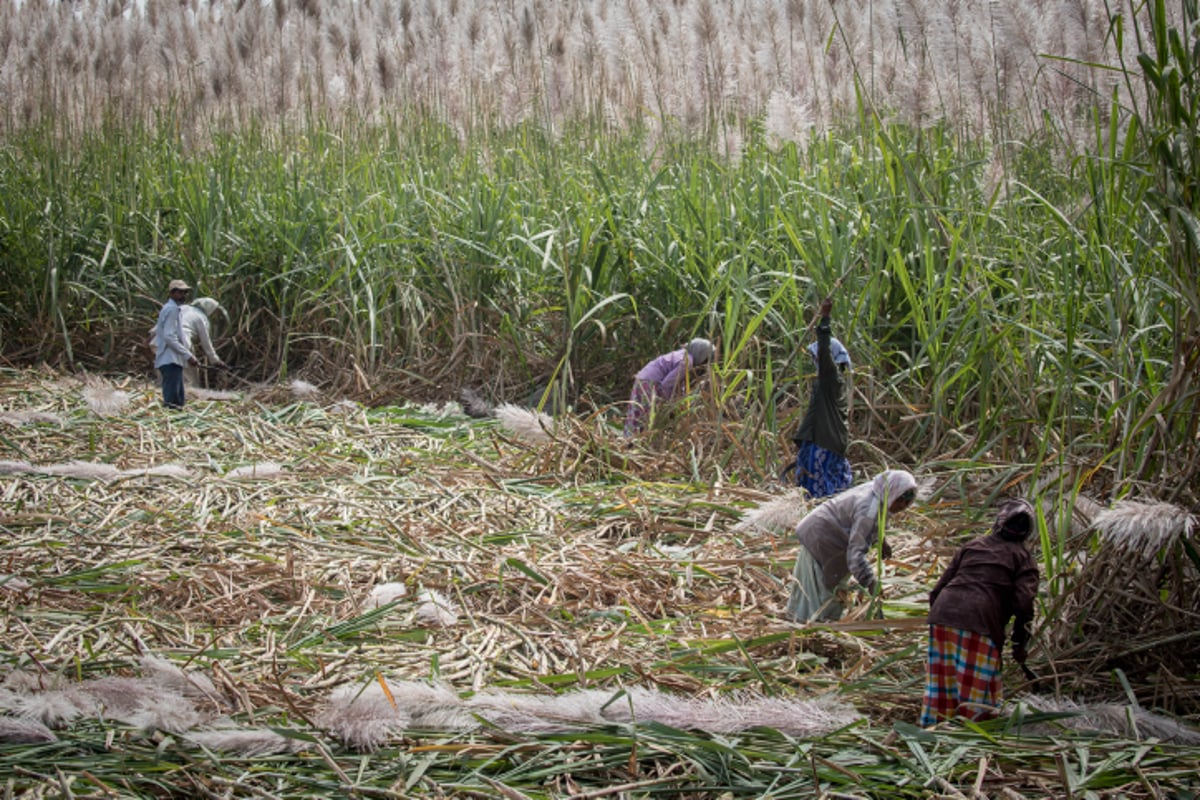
(610, 399)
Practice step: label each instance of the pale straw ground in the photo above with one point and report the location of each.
(288, 551)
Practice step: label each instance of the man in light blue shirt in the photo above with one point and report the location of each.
(172, 350)
(194, 317)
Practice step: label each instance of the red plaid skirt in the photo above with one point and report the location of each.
(962, 676)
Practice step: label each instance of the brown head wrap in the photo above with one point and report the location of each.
(1014, 520)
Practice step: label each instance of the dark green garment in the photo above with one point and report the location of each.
(824, 422)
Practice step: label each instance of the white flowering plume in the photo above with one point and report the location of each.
(263, 470)
(303, 390)
(532, 426)
(386, 593)
(1144, 528)
(104, 399)
(29, 417)
(94, 470)
(780, 515)
(436, 609)
(163, 698)
(364, 717)
(1106, 719)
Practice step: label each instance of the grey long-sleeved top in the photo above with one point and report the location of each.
(839, 532)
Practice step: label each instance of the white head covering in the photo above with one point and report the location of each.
(840, 354)
(892, 483)
(700, 351)
(208, 305)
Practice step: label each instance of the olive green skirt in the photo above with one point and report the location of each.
(810, 600)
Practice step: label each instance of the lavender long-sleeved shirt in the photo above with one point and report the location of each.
(667, 372)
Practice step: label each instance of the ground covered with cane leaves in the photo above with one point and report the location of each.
(244, 538)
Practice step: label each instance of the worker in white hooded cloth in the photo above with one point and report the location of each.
(835, 540)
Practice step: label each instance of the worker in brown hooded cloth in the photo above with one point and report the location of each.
(991, 580)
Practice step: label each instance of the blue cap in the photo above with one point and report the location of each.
(840, 354)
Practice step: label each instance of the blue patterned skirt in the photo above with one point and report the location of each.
(822, 472)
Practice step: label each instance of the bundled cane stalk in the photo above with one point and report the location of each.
(1132, 604)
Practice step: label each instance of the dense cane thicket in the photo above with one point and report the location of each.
(402, 196)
